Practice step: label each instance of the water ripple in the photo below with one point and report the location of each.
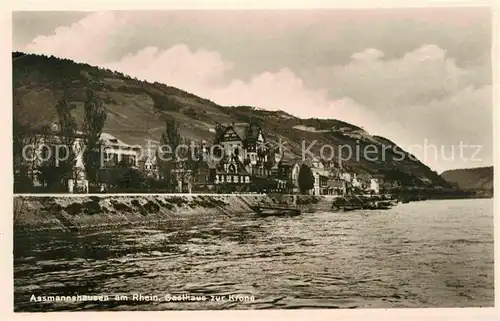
(426, 254)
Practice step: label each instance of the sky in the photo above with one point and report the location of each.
(421, 77)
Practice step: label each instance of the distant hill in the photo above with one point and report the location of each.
(471, 179)
(137, 111)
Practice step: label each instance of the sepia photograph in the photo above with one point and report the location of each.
(253, 159)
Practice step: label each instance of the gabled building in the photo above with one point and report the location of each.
(148, 165)
(336, 186)
(320, 175)
(244, 140)
(205, 173)
(244, 154)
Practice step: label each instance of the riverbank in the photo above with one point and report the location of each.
(84, 212)
(88, 212)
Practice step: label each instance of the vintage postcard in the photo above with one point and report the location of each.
(264, 159)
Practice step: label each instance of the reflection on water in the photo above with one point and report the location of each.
(425, 254)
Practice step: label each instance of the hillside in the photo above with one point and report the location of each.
(471, 179)
(137, 111)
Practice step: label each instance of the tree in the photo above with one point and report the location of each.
(95, 117)
(18, 207)
(170, 141)
(19, 135)
(28, 129)
(306, 179)
(58, 168)
(67, 134)
(131, 178)
(188, 163)
(50, 175)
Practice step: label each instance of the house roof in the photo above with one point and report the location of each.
(288, 159)
(52, 131)
(335, 183)
(110, 140)
(245, 131)
(364, 177)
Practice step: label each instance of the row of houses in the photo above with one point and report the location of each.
(246, 163)
(249, 165)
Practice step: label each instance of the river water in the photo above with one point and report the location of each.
(422, 254)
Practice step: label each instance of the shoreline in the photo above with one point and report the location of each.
(90, 212)
(82, 212)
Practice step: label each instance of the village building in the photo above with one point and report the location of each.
(387, 186)
(148, 165)
(245, 162)
(347, 177)
(374, 186)
(355, 182)
(295, 170)
(116, 152)
(320, 182)
(336, 186)
(205, 173)
(183, 177)
(282, 172)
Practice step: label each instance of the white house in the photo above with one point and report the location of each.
(116, 151)
(374, 186)
(320, 180)
(355, 181)
(346, 177)
(295, 177)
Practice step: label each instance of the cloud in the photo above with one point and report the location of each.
(422, 75)
(178, 66)
(87, 40)
(367, 55)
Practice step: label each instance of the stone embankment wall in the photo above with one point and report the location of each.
(82, 212)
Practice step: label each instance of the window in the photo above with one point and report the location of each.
(62, 152)
(44, 153)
